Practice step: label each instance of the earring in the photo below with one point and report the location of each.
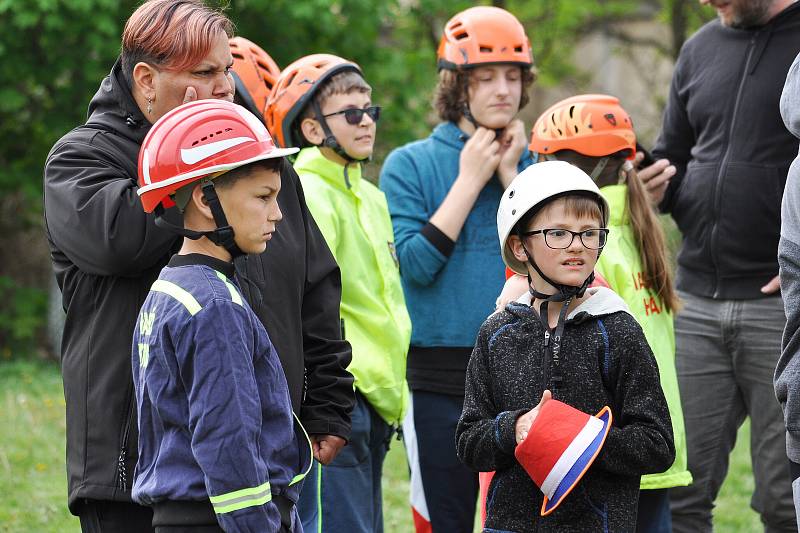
(149, 106)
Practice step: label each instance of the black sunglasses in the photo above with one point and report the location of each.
(355, 115)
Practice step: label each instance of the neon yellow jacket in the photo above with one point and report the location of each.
(355, 221)
(621, 266)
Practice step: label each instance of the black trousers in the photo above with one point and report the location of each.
(115, 517)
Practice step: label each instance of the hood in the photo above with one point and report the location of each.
(603, 301)
(790, 99)
(113, 108)
(785, 21)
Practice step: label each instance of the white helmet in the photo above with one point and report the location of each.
(534, 187)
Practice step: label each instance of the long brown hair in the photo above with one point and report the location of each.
(647, 230)
(650, 241)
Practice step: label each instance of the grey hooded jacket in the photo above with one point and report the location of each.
(787, 374)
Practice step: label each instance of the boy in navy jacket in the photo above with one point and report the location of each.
(219, 446)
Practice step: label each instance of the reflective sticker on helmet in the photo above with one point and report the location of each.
(146, 166)
(191, 156)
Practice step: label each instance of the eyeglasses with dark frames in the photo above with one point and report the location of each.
(559, 239)
(355, 115)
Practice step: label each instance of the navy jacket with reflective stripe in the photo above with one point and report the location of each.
(215, 417)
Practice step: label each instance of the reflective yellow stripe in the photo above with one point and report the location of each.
(241, 499)
(234, 293)
(299, 477)
(144, 354)
(179, 294)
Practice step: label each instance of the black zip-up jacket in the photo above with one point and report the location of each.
(723, 131)
(605, 361)
(106, 253)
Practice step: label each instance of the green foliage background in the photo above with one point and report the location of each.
(54, 53)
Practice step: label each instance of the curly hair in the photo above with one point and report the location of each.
(451, 92)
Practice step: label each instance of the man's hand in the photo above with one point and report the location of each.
(190, 95)
(326, 447)
(773, 286)
(525, 421)
(656, 178)
(479, 158)
(512, 144)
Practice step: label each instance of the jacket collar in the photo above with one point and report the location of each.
(450, 134)
(311, 160)
(603, 301)
(201, 259)
(617, 198)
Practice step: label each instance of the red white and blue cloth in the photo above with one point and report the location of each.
(561, 445)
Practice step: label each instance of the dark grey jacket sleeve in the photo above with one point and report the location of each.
(485, 439)
(94, 215)
(677, 137)
(330, 396)
(787, 373)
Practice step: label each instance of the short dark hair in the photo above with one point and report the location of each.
(450, 94)
(576, 203)
(344, 82)
(227, 180)
(183, 195)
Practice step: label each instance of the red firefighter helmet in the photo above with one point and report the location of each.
(196, 140)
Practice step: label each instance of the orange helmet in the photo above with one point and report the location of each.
(483, 35)
(295, 88)
(255, 73)
(594, 125)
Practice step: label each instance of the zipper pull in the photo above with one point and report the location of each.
(546, 338)
(122, 469)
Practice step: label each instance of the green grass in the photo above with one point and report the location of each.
(33, 481)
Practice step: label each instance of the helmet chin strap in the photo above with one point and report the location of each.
(221, 236)
(552, 337)
(331, 142)
(468, 115)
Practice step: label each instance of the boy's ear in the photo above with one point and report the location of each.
(144, 79)
(312, 131)
(515, 245)
(199, 204)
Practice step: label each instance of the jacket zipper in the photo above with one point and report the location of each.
(122, 469)
(722, 167)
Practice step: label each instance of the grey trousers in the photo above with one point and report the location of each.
(726, 352)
